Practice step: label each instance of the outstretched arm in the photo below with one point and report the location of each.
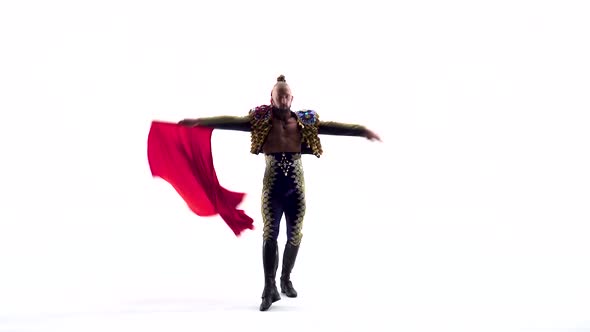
(345, 129)
(227, 122)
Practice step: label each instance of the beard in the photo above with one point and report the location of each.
(282, 107)
(281, 113)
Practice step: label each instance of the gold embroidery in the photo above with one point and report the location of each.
(298, 178)
(260, 123)
(267, 186)
(309, 132)
(284, 164)
(307, 120)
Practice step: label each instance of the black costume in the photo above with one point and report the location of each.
(283, 190)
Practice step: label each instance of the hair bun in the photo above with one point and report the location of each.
(281, 79)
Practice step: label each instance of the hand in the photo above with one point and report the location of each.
(372, 136)
(189, 122)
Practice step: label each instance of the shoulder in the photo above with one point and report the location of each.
(308, 117)
(261, 112)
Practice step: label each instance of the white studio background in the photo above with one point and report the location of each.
(472, 211)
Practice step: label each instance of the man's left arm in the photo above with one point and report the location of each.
(345, 129)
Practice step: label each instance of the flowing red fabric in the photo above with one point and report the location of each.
(181, 156)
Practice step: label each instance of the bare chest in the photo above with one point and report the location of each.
(284, 129)
(284, 136)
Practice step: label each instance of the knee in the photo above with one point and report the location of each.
(295, 238)
(270, 233)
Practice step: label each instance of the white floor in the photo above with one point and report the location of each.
(194, 275)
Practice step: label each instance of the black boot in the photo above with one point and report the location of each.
(289, 257)
(270, 262)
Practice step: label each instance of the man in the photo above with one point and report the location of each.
(283, 136)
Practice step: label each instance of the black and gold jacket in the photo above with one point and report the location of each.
(258, 123)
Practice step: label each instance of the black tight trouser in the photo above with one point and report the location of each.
(283, 193)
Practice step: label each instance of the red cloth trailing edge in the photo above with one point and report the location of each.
(181, 156)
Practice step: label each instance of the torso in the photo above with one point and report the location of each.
(284, 136)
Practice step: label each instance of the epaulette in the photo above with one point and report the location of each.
(308, 117)
(260, 113)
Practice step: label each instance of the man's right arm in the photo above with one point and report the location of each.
(227, 122)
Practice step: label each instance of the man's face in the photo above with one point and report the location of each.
(281, 97)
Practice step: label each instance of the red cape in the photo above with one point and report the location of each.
(182, 157)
